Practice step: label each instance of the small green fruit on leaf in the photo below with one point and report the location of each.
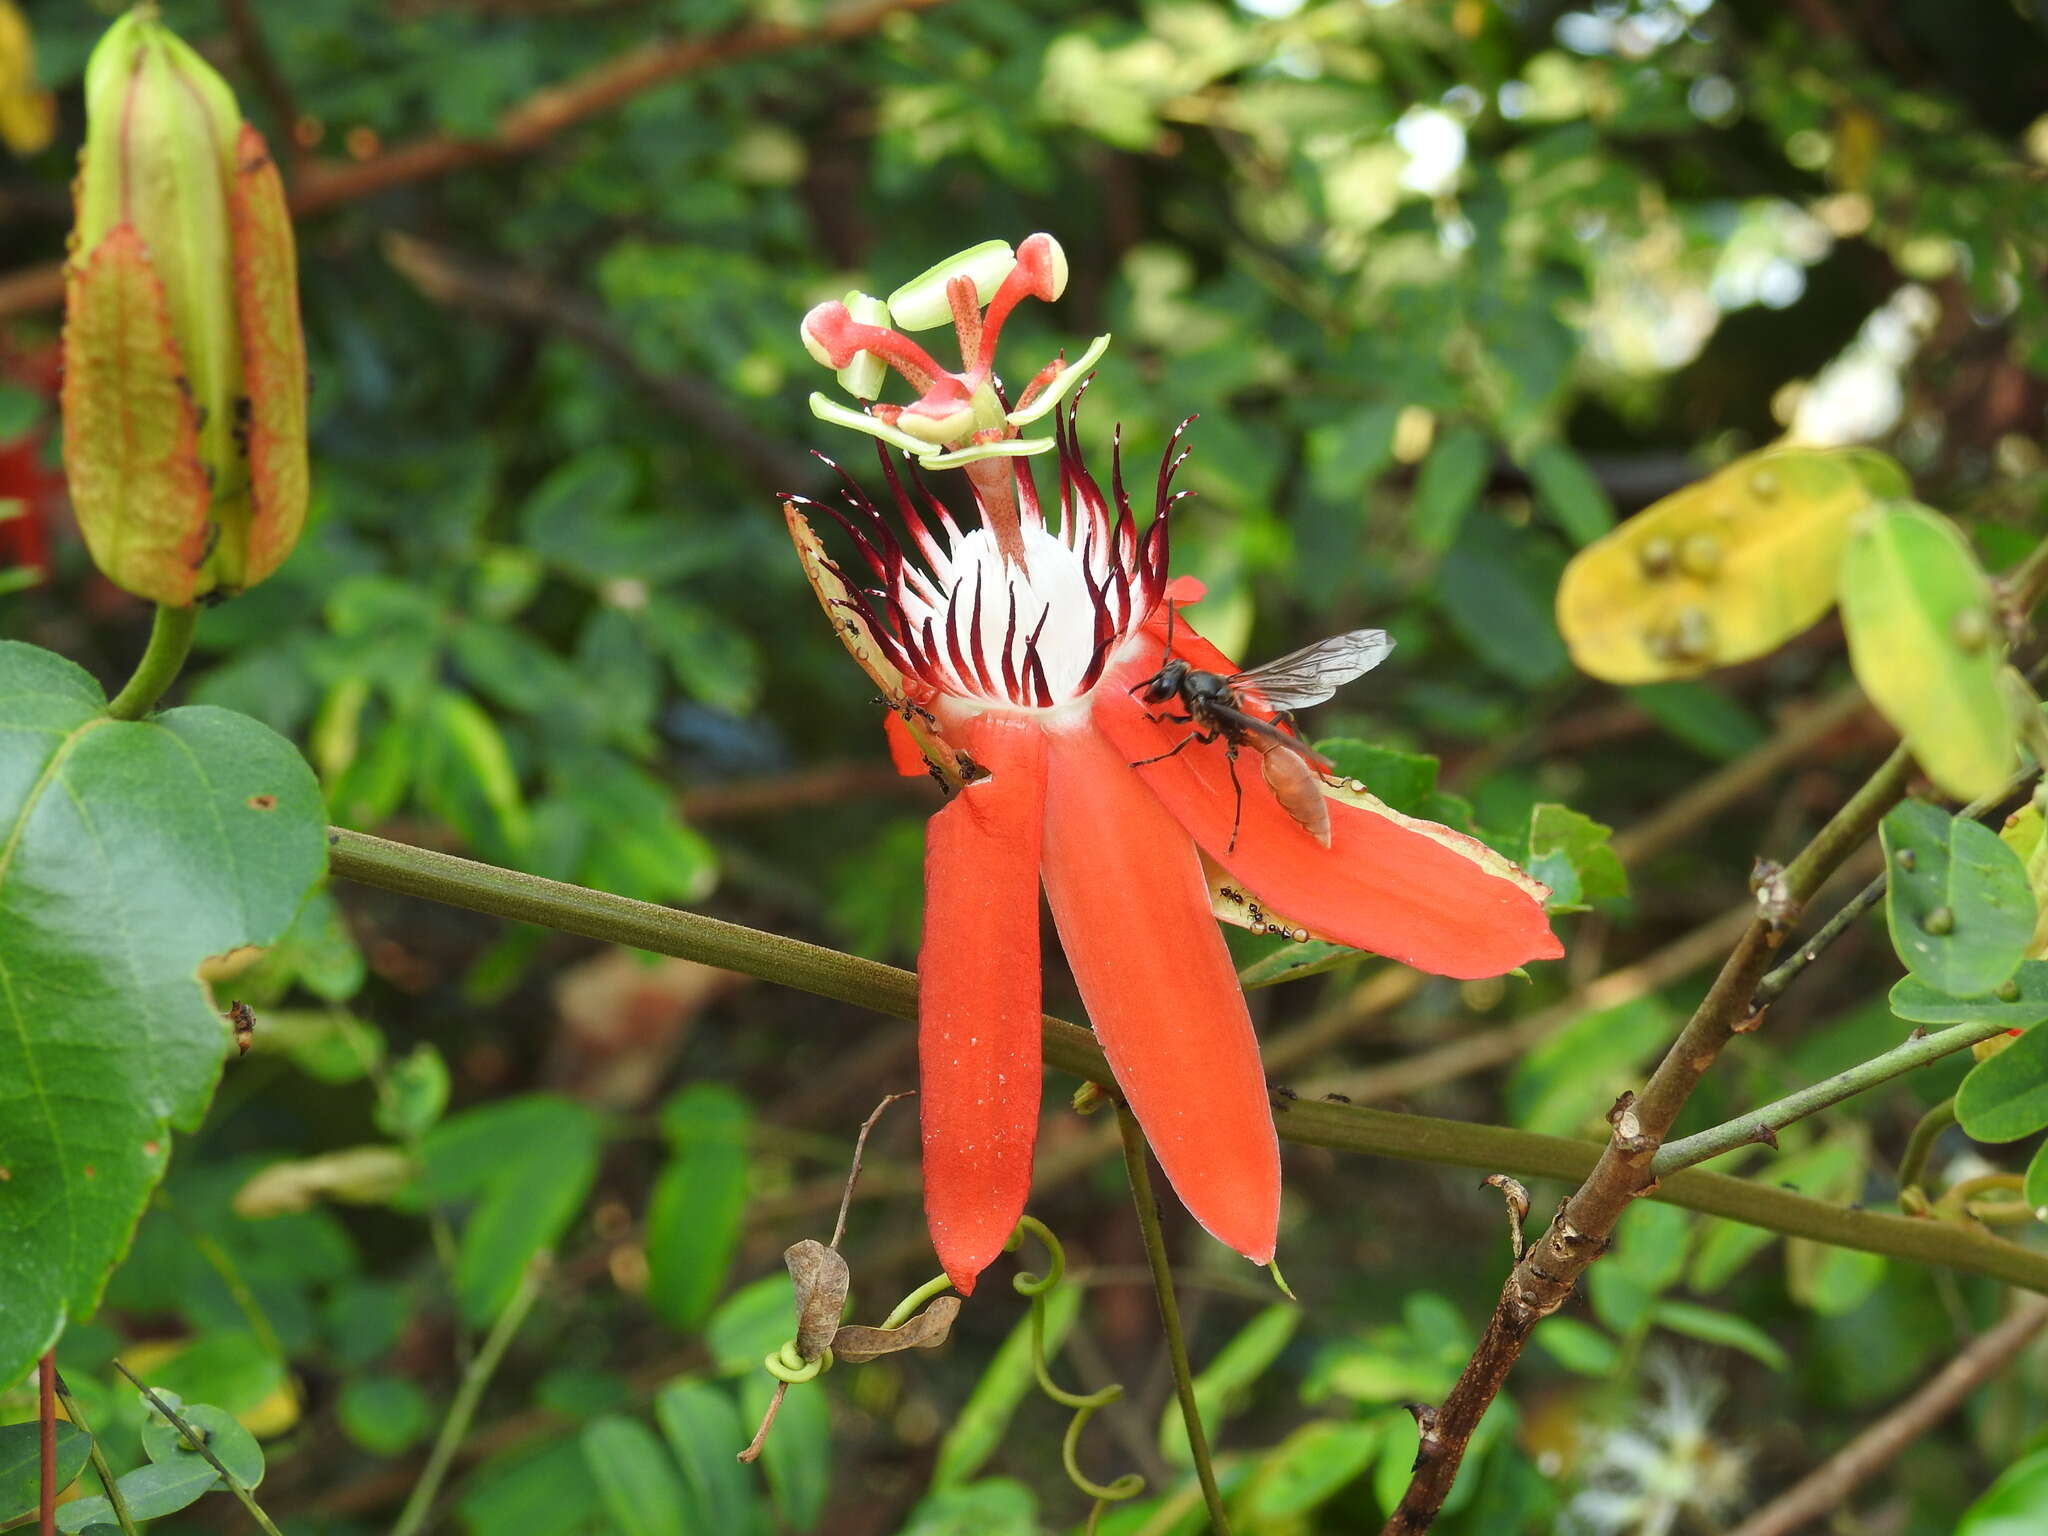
(1957, 901)
(130, 853)
(1721, 571)
(1925, 641)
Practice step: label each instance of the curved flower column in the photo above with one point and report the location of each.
(1009, 645)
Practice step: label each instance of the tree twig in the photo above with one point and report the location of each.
(1824, 1489)
(1579, 1232)
(109, 1484)
(1763, 1125)
(1135, 1154)
(1351, 1128)
(526, 126)
(1773, 986)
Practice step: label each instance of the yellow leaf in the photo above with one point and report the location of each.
(1721, 571)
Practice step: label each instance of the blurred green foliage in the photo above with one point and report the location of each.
(1452, 285)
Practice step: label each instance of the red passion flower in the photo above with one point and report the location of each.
(1014, 648)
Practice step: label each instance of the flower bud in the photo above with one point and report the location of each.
(184, 364)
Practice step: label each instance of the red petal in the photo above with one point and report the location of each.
(1408, 889)
(978, 998)
(1127, 893)
(904, 751)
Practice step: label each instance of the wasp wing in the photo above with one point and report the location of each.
(1311, 674)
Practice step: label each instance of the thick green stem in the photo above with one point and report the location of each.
(1069, 1048)
(1763, 1125)
(101, 1470)
(1135, 1153)
(170, 641)
(455, 1428)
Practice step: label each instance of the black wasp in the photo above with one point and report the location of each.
(1215, 706)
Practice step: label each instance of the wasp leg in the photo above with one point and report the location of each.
(1190, 738)
(1174, 719)
(1237, 790)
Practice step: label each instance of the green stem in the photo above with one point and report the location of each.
(1069, 1048)
(1920, 1145)
(100, 1468)
(1773, 986)
(197, 1440)
(420, 1503)
(1762, 1125)
(1135, 1152)
(908, 1306)
(170, 640)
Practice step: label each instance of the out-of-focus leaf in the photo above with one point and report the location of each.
(1495, 587)
(1711, 1327)
(634, 1477)
(1578, 1346)
(1957, 900)
(1564, 1085)
(538, 1492)
(1405, 781)
(1222, 1385)
(1345, 457)
(995, 1506)
(21, 1463)
(467, 779)
(1927, 645)
(2035, 1188)
(2006, 1096)
(749, 1323)
(385, 1415)
(1647, 1258)
(698, 1203)
(1569, 852)
(979, 1426)
(1569, 491)
(2015, 1505)
(415, 1093)
(226, 1366)
(1309, 1468)
(1701, 716)
(1716, 573)
(702, 1425)
(798, 1455)
(1448, 486)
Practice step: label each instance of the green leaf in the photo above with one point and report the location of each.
(1345, 457)
(1958, 903)
(539, 1491)
(1563, 1085)
(1309, 1468)
(1701, 716)
(1569, 852)
(1404, 780)
(2015, 1505)
(703, 1427)
(634, 1476)
(160, 1488)
(385, 1415)
(2036, 1187)
(2005, 1096)
(1578, 1346)
(995, 1506)
(21, 1463)
(1448, 486)
(1915, 1001)
(1927, 644)
(235, 1447)
(699, 1202)
(1495, 587)
(415, 1092)
(1569, 492)
(752, 1321)
(466, 777)
(130, 852)
(1222, 1385)
(985, 1417)
(530, 1160)
(1711, 1327)
(798, 1456)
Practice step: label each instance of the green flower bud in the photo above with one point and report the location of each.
(184, 364)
